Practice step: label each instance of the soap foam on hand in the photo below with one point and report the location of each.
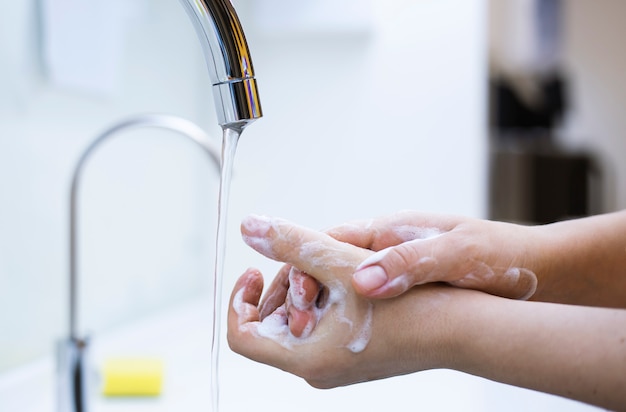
(276, 327)
(409, 232)
(257, 231)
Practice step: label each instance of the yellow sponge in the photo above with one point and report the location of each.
(132, 377)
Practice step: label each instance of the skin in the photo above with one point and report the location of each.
(573, 351)
(580, 262)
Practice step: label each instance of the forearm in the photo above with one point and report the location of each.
(583, 261)
(572, 351)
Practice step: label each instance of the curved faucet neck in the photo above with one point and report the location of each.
(228, 61)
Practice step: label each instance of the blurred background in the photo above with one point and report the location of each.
(556, 133)
(503, 109)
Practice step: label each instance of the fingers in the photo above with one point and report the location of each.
(380, 233)
(246, 295)
(392, 271)
(309, 250)
(400, 262)
(276, 293)
(244, 336)
(514, 283)
(323, 258)
(446, 258)
(301, 303)
(361, 233)
(299, 292)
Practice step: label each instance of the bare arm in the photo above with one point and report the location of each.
(572, 351)
(583, 261)
(580, 261)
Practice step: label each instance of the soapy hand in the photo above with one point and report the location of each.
(413, 248)
(312, 323)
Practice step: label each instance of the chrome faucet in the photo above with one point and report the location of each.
(237, 105)
(228, 61)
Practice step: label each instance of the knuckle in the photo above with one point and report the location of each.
(463, 246)
(401, 258)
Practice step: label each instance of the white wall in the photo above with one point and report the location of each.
(357, 124)
(162, 189)
(362, 125)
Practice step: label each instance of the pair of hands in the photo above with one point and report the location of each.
(326, 316)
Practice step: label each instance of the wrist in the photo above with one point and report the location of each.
(544, 256)
(562, 254)
(464, 321)
(449, 320)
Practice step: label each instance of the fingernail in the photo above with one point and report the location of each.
(255, 225)
(254, 231)
(374, 258)
(370, 278)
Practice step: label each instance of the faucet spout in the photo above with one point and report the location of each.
(228, 61)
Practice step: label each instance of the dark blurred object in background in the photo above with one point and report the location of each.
(534, 179)
(537, 182)
(544, 110)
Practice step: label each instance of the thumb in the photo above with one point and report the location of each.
(392, 271)
(311, 251)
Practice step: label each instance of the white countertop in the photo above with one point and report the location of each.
(181, 337)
